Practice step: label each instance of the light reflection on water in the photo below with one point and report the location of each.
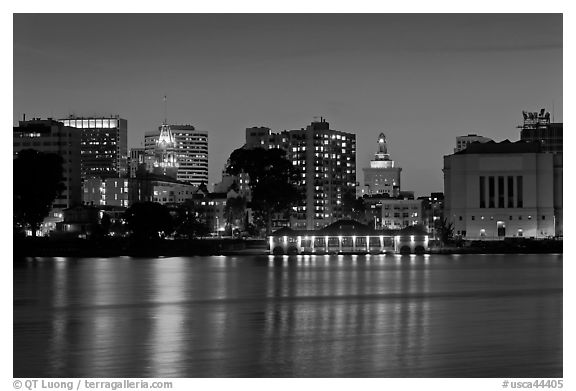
(304, 316)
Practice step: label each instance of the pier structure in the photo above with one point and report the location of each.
(345, 237)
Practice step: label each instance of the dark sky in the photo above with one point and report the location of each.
(422, 79)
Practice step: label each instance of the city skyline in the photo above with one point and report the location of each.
(422, 80)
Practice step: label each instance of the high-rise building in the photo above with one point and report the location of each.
(462, 142)
(135, 160)
(497, 190)
(53, 137)
(104, 145)
(383, 175)
(326, 162)
(190, 146)
(538, 127)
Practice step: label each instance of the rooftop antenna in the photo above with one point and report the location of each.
(553, 111)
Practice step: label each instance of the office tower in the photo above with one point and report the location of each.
(462, 142)
(538, 127)
(104, 145)
(383, 175)
(190, 147)
(53, 137)
(326, 162)
(135, 160)
(497, 190)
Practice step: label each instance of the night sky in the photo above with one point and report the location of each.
(422, 79)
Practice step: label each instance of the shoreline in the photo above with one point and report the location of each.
(114, 247)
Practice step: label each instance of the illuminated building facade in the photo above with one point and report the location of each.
(160, 189)
(398, 213)
(108, 191)
(104, 145)
(183, 145)
(326, 162)
(383, 175)
(53, 137)
(497, 190)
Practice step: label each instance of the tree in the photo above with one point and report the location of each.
(352, 207)
(235, 210)
(38, 180)
(445, 230)
(149, 220)
(272, 179)
(105, 224)
(187, 224)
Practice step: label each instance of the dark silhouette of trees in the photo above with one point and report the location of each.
(105, 224)
(38, 180)
(445, 231)
(352, 207)
(235, 211)
(187, 224)
(272, 181)
(149, 220)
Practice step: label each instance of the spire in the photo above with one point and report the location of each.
(166, 138)
(165, 110)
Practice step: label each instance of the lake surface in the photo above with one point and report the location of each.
(298, 316)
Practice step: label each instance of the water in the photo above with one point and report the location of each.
(303, 316)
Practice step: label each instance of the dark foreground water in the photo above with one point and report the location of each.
(303, 316)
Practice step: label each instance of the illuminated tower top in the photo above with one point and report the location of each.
(166, 161)
(382, 157)
(166, 138)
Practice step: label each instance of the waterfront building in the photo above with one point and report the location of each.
(346, 237)
(383, 175)
(79, 222)
(538, 127)
(462, 142)
(53, 137)
(104, 145)
(497, 190)
(326, 162)
(189, 147)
